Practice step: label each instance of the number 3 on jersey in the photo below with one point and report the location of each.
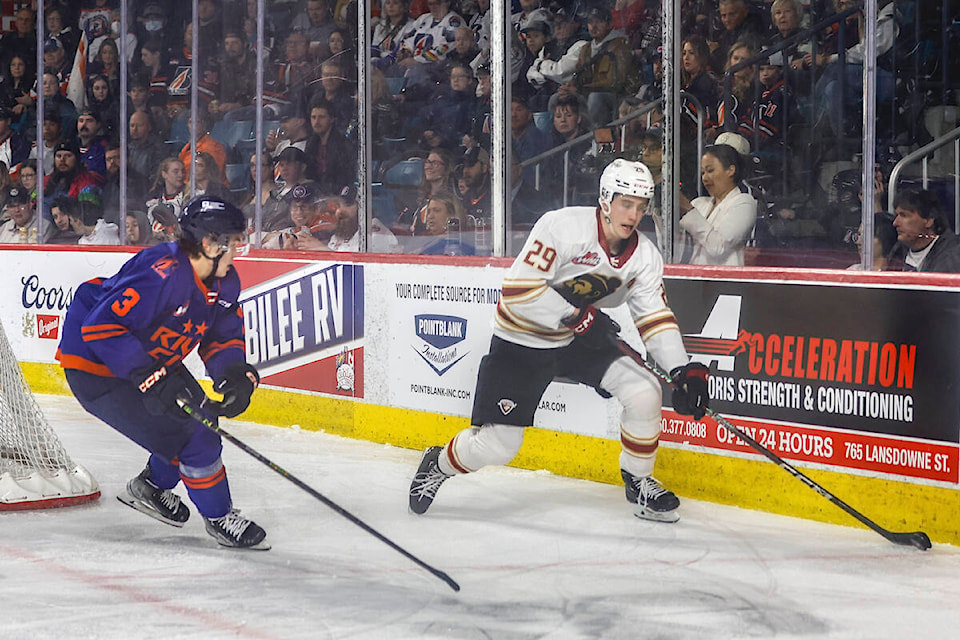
(540, 257)
(127, 301)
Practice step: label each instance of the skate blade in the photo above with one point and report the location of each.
(657, 516)
(133, 503)
(263, 545)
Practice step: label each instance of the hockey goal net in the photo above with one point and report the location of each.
(35, 470)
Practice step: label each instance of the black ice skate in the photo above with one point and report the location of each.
(427, 482)
(233, 530)
(649, 499)
(162, 504)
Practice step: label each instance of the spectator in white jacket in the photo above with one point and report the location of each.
(557, 60)
(718, 226)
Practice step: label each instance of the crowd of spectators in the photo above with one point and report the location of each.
(575, 66)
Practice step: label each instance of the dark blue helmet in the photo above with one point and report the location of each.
(210, 216)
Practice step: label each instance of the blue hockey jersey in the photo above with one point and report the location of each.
(154, 309)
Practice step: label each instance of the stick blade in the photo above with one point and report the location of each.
(917, 539)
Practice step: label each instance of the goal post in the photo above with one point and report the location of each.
(35, 470)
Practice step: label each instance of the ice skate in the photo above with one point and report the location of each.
(233, 530)
(161, 504)
(427, 481)
(649, 499)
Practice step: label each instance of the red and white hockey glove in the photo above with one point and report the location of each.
(593, 328)
(691, 393)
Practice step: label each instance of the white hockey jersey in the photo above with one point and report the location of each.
(430, 40)
(565, 265)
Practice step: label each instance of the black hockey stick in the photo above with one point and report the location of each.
(200, 417)
(918, 539)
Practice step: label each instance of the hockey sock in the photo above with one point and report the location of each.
(478, 447)
(208, 489)
(163, 474)
(640, 395)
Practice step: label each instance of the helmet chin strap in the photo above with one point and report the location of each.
(215, 260)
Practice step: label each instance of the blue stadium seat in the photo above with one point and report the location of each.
(406, 173)
(396, 84)
(543, 120)
(238, 175)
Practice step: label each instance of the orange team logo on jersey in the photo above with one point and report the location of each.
(163, 266)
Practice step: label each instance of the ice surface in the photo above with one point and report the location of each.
(537, 556)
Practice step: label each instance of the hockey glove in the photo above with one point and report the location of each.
(162, 385)
(691, 395)
(239, 381)
(593, 328)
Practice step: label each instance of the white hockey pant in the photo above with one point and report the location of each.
(639, 392)
(478, 447)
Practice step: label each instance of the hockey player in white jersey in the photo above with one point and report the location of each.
(547, 324)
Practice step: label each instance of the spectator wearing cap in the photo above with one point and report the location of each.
(168, 189)
(206, 143)
(536, 35)
(92, 142)
(144, 149)
(87, 221)
(557, 60)
(238, 79)
(14, 149)
(331, 158)
(346, 231)
(311, 220)
(293, 132)
(292, 172)
(476, 176)
(605, 71)
(767, 119)
(62, 232)
(528, 139)
(153, 25)
(51, 138)
(55, 61)
(450, 112)
(428, 41)
(22, 226)
(529, 10)
(22, 41)
(71, 178)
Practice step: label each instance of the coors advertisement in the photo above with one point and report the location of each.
(855, 376)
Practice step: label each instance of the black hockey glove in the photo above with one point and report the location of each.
(593, 328)
(162, 385)
(691, 394)
(239, 381)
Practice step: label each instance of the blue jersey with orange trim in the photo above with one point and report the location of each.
(154, 309)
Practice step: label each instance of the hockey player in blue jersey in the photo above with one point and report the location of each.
(123, 342)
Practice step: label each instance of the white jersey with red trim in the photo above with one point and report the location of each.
(565, 265)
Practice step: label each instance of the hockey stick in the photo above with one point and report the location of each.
(918, 539)
(200, 417)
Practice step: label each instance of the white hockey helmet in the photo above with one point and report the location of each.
(626, 178)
